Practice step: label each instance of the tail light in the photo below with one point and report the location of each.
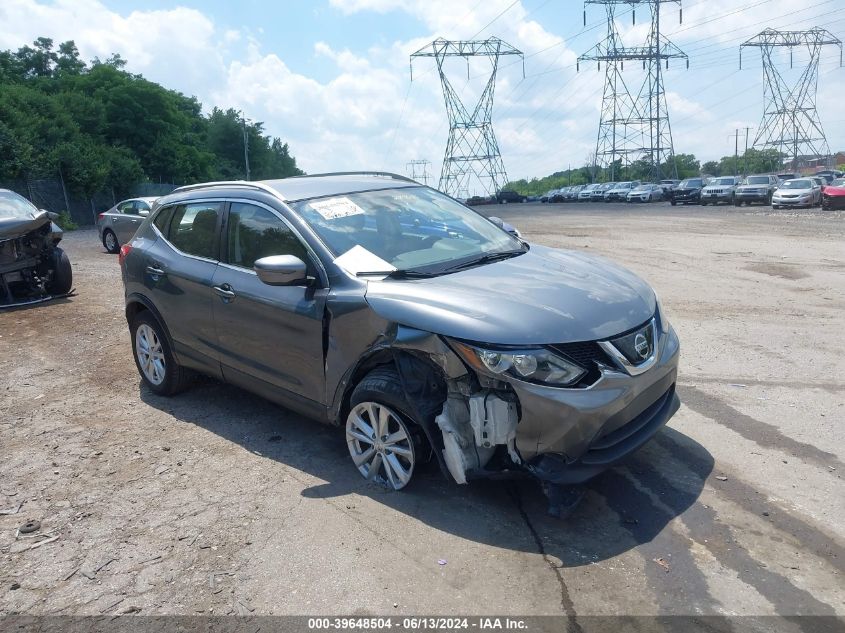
(100, 217)
(124, 251)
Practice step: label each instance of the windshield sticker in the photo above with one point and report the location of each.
(359, 260)
(335, 208)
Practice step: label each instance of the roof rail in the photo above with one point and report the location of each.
(360, 173)
(230, 183)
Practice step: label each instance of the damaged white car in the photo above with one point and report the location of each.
(32, 266)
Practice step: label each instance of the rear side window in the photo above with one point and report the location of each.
(255, 232)
(162, 219)
(192, 228)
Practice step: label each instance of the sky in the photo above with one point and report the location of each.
(332, 77)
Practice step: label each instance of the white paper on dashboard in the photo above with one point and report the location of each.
(359, 260)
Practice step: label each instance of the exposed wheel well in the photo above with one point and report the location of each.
(393, 358)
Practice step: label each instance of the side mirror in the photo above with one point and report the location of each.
(280, 270)
(505, 226)
(143, 212)
(51, 214)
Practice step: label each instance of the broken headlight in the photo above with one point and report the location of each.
(532, 364)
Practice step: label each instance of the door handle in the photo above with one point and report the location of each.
(225, 292)
(153, 271)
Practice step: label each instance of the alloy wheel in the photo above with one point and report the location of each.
(150, 354)
(380, 444)
(111, 241)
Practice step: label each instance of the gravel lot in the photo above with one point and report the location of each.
(216, 502)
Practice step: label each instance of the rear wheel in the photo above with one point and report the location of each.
(383, 440)
(110, 241)
(154, 358)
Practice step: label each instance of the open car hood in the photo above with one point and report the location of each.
(11, 228)
(542, 297)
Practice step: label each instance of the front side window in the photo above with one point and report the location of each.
(409, 229)
(254, 232)
(192, 228)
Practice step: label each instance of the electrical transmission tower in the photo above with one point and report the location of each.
(791, 123)
(472, 159)
(634, 125)
(418, 170)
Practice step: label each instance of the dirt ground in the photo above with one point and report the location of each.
(215, 502)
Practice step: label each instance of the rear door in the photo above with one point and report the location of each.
(270, 333)
(118, 218)
(178, 276)
(128, 222)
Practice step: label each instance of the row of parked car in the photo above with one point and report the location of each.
(628, 191)
(826, 189)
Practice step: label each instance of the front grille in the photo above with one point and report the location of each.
(583, 353)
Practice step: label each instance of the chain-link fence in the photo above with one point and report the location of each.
(52, 196)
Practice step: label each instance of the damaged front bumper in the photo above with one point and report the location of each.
(562, 436)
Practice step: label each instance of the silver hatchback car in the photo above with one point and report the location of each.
(425, 329)
(117, 225)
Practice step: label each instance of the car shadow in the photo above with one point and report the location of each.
(625, 507)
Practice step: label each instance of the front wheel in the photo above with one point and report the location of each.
(673, 203)
(383, 441)
(154, 358)
(62, 280)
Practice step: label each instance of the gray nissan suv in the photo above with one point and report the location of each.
(426, 330)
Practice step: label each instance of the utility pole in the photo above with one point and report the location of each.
(745, 156)
(634, 125)
(791, 124)
(472, 154)
(418, 170)
(736, 152)
(246, 146)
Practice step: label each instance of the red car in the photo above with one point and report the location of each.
(833, 195)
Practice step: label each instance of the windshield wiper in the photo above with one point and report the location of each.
(396, 274)
(487, 258)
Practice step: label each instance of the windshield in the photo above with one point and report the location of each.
(722, 181)
(14, 206)
(839, 182)
(643, 188)
(797, 184)
(692, 182)
(756, 180)
(624, 185)
(408, 229)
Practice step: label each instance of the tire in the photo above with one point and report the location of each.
(703, 204)
(775, 206)
(62, 280)
(110, 242)
(673, 203)
(381, 391)
(738, 203)
(167, 377)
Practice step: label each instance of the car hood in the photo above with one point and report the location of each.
(834, 191)
(760, 186)
(16, 227)
(798, 192)
(544, 296)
